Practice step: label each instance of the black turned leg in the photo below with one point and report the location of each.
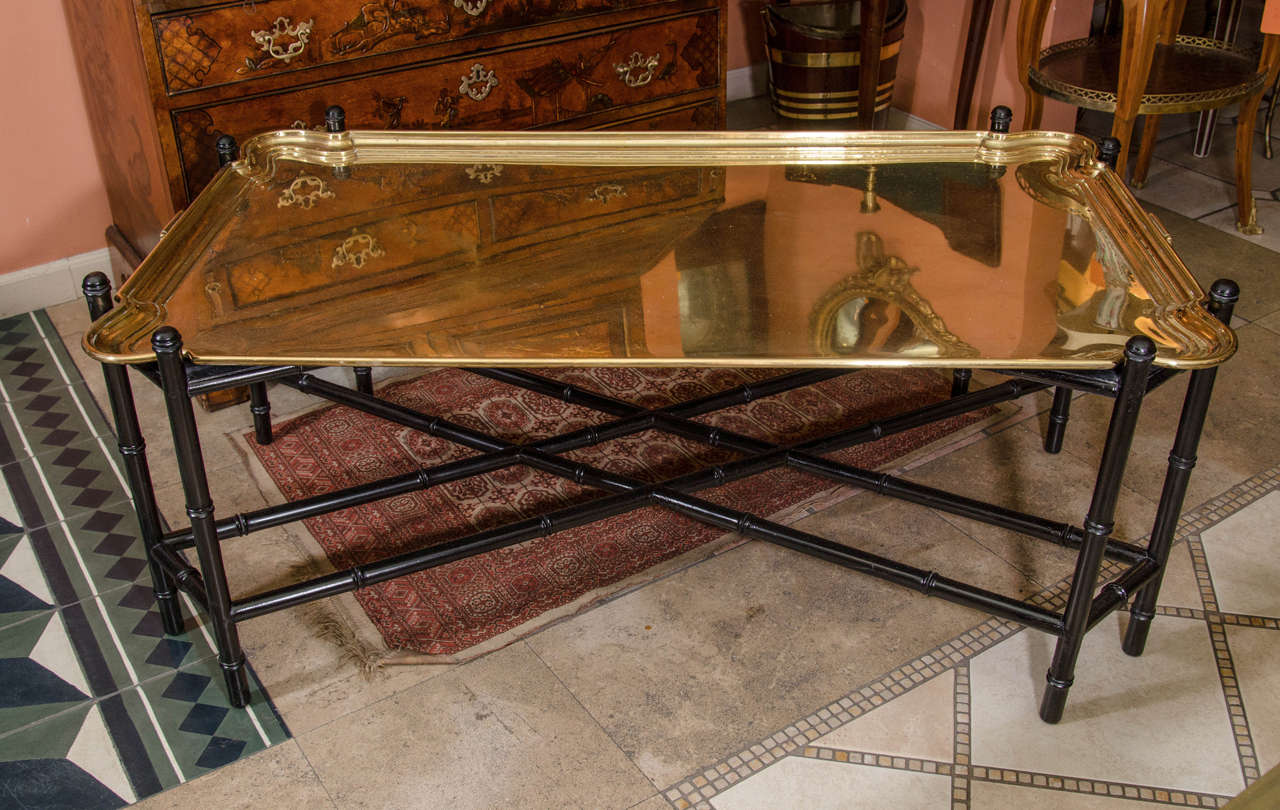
(960, 379)
(364, 380)
(1139, 352)
(1182, 459)
(1059, 413)
(133, 454)
(260, 407)
(167, 344)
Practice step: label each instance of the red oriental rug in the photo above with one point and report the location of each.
(450, 608)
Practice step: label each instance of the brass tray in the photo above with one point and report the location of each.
(945, 249)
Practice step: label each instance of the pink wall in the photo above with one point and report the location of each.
(52, 200)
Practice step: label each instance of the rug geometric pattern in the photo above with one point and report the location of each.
(98, 707)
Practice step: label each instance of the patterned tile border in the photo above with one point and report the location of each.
(159, 698)
(1098, 787)
(962, 748)
(697, 790)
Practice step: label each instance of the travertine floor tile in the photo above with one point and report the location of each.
(1179, 587)
(1241, 551)
(918, 724)
(1188, 193)
(1156, 720)
(697, 665)
(277, 777)
(70, 318)
(1270, 322)
(1012, 470)
(1268, 214)
(1211, 255)
(1256, 653)
(818, 785)
(1221, 160)
(499, 732)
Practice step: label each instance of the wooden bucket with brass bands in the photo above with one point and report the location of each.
(815, 59)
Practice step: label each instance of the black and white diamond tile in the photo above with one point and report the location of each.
(65, 761)
(10, 520)
(26, 364)
(98, 707)
(23, 590)
(39, 671)
(204, 731)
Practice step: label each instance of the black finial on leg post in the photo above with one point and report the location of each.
(1223, 294)
(97, 292)
(1109, 151)
(335, 119)
(1001, 119)
(227, 150)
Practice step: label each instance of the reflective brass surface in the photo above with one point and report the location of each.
(786, 249)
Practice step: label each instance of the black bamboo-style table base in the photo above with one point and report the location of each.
(1127, 384)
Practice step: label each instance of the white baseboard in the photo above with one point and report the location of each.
(51, 283)
(746, 82)
(901, 119)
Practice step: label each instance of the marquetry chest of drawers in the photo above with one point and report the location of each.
(164, 79)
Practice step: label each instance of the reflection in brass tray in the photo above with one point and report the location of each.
(876, 310)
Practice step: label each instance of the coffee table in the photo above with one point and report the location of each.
(816, 253)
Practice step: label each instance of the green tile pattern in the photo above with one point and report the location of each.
(84, 663)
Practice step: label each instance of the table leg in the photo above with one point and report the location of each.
(167, 344)
(1059, 413)
(260, 407)
(1139, 353)
(133, 454)
(1182, 459)
(979, 21)
(1142, 25)
(1032, 15)
(1247, 213)
(364, 379)
(1225, 28)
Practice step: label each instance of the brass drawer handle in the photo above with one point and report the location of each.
(304, 192)
(602, 194)
(473, 7)
(638, 70)
(300, 34)
(356, 249)
(477, 84)
(484, 172)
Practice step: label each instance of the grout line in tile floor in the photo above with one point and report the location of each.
(696, 790)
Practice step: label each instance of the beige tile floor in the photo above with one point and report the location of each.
(758, 678)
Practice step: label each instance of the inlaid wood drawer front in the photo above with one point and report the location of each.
(304, 228)
(540, 211)
(202, 48)
(702, 116)
(517, 89)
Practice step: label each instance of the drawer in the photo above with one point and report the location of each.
(536, 86)
(426, 220)
(693, 117)
(207, 47)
